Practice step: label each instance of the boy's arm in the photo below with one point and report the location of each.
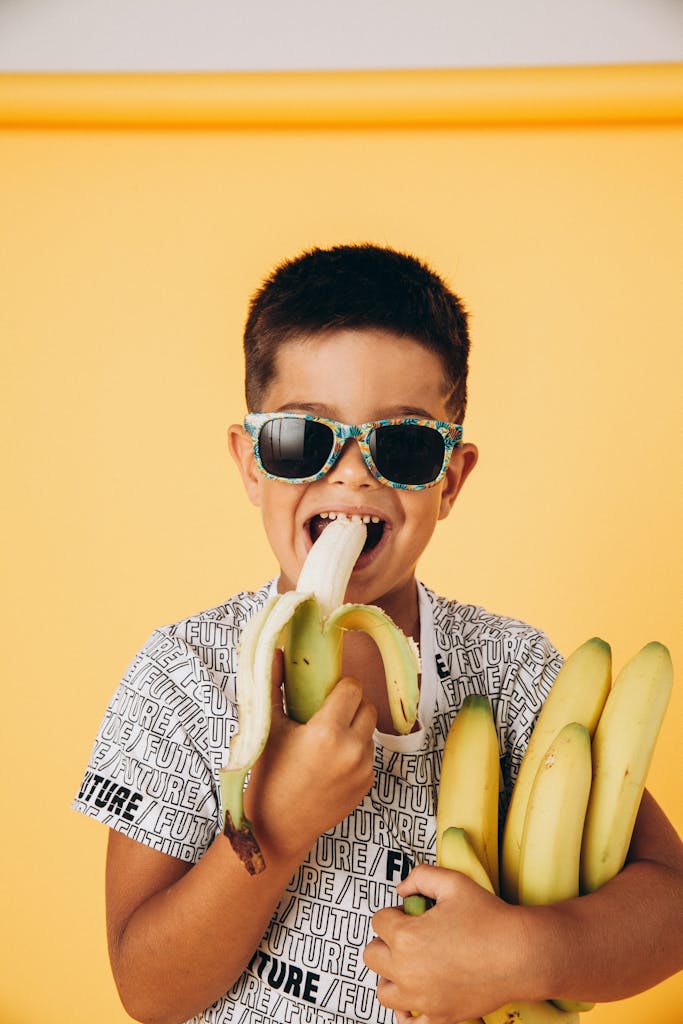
(180, 935)
(472, 953)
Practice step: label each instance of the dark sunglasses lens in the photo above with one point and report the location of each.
(293, 448)
(407, 454)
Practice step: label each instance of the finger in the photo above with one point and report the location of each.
(389, 995)
(377, 957)
(426, 880)
(385, 922)
(342, 704)
(365, 719)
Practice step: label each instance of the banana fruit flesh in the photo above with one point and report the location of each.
(309, 623)
(469, 783)
(623, 746)
(577, 695)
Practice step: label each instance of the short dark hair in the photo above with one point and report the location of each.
(356, 286)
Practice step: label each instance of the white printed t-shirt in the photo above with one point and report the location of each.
(153, 775)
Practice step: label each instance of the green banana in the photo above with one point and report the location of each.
(309, 623)
(623, 745)
(469, 783)
(577, 695)
(416, 905)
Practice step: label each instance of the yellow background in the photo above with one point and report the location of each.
(127, 257)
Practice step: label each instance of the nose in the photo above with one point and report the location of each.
(350, 470)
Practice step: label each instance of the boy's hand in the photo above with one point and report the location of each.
(454, 962)
(310, 777)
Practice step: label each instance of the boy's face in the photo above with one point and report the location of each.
(355, 376)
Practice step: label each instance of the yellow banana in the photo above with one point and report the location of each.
(469, 783)
(309, 623)
(623, 745)
(457, 854)
(521, 1012)
(577, 695)
(553, 827)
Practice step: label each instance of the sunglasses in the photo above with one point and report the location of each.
(406, 453)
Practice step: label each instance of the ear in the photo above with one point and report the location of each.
(463, 461)
(241, 449)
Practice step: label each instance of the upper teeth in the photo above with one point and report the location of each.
(354, 518)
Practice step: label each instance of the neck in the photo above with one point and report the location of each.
(401, 605)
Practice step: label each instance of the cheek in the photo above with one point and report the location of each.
(422, 511)
(278, 503)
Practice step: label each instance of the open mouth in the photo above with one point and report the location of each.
(375, 527)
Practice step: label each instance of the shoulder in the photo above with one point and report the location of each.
(458, 624)
(221, 625)
(511, 661)
(198, 650)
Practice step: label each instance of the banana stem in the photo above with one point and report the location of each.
(237, 827)
(417, 905)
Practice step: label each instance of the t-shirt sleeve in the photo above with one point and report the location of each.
(150, 775)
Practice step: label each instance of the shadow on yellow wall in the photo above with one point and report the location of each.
(138, 214)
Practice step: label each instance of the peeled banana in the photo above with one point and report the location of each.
(623, 745)
(577, 695)
(309, 623)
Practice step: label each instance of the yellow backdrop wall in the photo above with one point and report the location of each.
(137, 217)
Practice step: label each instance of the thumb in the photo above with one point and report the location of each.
(425, 880)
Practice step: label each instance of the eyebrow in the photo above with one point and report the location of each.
(389, 413)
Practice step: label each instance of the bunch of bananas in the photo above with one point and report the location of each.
(574, 804)
(573, 808)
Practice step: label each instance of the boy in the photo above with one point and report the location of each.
(341, 806)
